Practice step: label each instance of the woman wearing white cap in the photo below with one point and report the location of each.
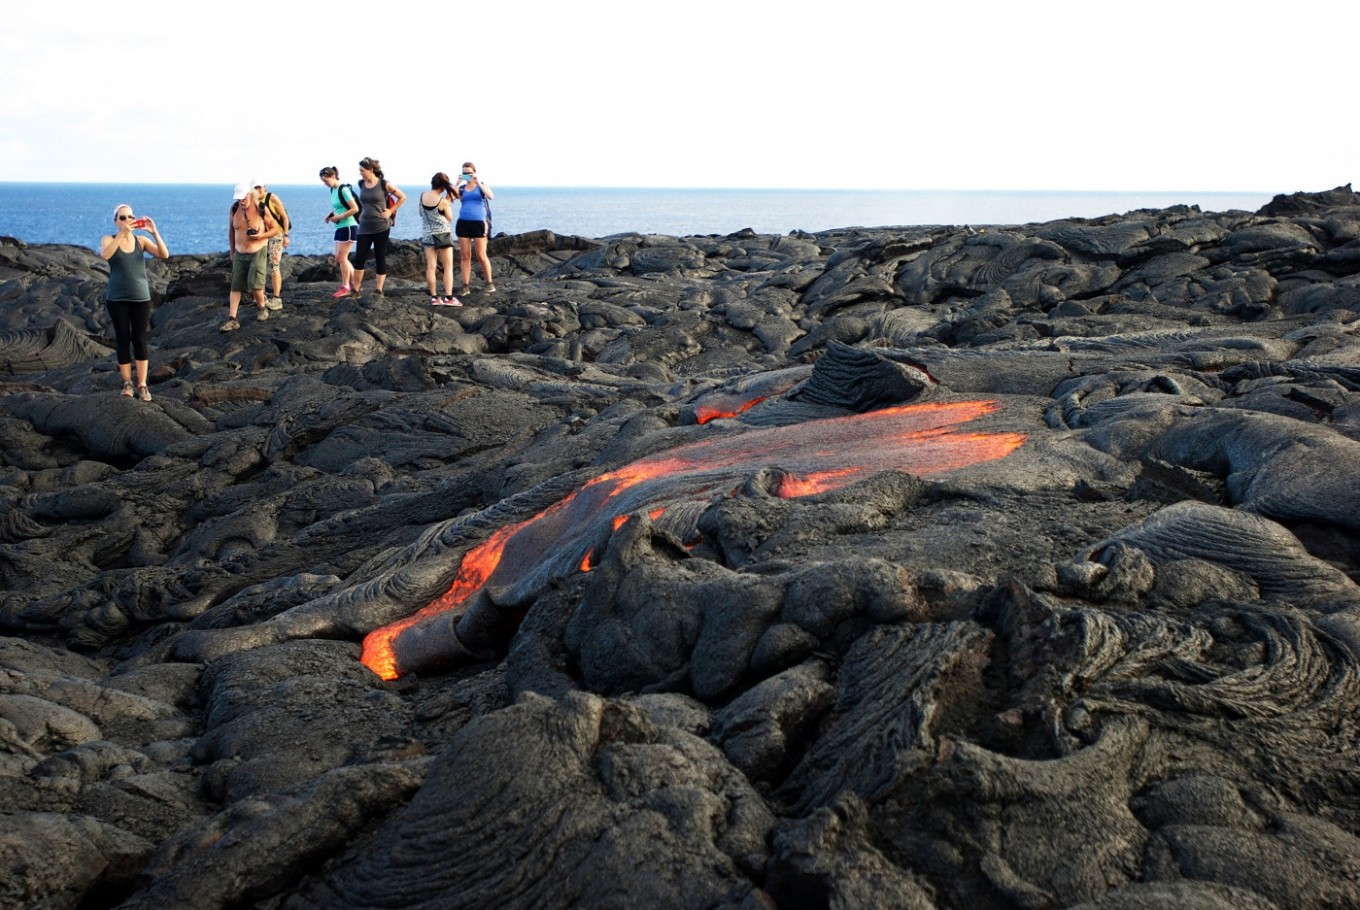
(129, 295)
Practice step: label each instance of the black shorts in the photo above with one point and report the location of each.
(470, 229)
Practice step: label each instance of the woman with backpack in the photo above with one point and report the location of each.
(378, 203)
(474, 224)
(344, 209)
(436, 236)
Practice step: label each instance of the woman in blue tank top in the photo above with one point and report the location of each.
(473, 226)
(129, 295)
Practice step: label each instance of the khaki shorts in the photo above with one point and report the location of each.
(247, 271)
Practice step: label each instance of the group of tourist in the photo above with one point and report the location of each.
(257, 234)
(363, 221)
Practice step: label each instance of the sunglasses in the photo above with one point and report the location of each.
(127, 217)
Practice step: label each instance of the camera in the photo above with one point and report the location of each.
(251, 232)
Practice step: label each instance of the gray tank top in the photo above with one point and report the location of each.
(127, 276)
(374, 201)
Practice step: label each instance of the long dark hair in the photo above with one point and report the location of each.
(441, 181)
(372, 165)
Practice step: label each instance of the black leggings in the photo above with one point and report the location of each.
(375, 242)
(131, 319)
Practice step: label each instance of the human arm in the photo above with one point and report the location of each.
(271, 227)
(486, 191)
(401, 200)
(157, 249)
(285, 221)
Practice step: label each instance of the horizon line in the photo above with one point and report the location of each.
(776, 189)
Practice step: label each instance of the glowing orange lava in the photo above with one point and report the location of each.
(704, 414)
(815, 457)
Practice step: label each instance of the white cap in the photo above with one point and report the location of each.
(243, 189)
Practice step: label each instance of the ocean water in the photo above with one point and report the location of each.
(193, 217)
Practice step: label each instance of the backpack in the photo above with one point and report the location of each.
(353, 197)
(282, 222)
(391, 202)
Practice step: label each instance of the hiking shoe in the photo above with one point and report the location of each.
(264, 314)
(274, 303)
(127, 390)
(144, 393)
(343, 292)
(230, 325)
(491, 289)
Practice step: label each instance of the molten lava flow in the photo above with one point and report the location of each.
(815, 457)
(705, 413)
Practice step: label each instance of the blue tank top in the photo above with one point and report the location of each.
(474, 205)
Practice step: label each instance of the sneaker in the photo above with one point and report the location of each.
(127, 390)
(343, 292)
(264, 314)
(466, 290)
(230, 325)
(144, 393)
(491, 289)
(379, 293)
(452, 301)
(274, 303)
(436, 301)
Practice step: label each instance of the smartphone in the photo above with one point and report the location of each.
(139, 223)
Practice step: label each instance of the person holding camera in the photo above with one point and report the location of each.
(473, 227)
(129, 294)
(250, 229)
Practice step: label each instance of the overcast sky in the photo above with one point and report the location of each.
(950, 94)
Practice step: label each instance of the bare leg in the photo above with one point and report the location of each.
(465, 249)
(356, 279)
(342, 259)
(446, 255)
(429, 270)
(142, 367)
(233, 303)
(486, 263)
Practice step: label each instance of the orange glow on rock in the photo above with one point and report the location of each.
(815, 457)
(703, 413)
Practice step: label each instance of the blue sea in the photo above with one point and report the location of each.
(193, 217)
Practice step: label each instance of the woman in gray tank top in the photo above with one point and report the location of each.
(129, 295)
(375, 221)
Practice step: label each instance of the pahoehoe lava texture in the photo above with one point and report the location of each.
(672, 619)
